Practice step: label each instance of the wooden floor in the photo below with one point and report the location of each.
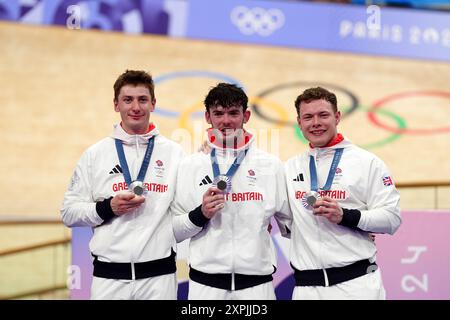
(56, 100)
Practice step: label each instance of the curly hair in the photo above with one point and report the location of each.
(226, 95)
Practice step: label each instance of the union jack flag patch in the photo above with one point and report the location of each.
(387, 181)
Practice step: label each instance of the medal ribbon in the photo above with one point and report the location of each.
(331, 173)
(232, 170)
(145, 161)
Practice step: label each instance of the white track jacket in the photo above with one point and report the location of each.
(144, 234)
(361, 182)
(236, 239)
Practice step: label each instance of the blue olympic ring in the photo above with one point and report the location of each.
(189, 74)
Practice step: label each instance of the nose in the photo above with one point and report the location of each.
(135, 106)
(226, 120)
(315, 121)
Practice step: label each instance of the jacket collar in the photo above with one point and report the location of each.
(337, 139)
(119, 133)
(242, 144)
(337, 142)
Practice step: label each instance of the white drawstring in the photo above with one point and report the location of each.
(137, 146)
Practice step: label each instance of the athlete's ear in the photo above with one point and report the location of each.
(207, 117)
(247, 115)
(153, 104)
(338, 117)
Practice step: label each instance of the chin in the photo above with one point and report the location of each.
(317, 143)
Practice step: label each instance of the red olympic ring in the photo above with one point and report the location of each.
(378, 104)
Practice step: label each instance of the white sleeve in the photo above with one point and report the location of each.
(283, 216)
(78, 208)
(182, 204)
(383, 201)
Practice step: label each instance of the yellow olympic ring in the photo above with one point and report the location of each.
(185, 116)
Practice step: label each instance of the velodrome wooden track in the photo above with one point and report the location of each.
(56, 100)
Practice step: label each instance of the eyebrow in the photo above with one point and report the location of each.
(319, 113)
(141, 96)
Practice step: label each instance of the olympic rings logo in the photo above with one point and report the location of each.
(279, 116)
(257, 20)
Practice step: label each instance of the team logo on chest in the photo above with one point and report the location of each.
(159, 168)
(337, 176)
(251, 177)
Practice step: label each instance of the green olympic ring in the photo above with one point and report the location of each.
(401, 123)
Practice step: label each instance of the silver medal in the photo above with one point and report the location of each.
(309, 199)
(137, 187)
(223, 183)
(312, 198)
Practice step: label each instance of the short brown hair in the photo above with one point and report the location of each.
(134, 77)
(317, 93)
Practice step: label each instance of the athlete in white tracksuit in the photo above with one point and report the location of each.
(331, 253)
(231, 253)
(133, 242)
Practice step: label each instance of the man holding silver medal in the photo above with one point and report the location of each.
(224, 201)
(122, 188)
(339, 194)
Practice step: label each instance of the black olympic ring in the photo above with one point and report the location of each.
(257, 110)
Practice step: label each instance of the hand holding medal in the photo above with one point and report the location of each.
(125, 202)
(328, 208)
(213, 201)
